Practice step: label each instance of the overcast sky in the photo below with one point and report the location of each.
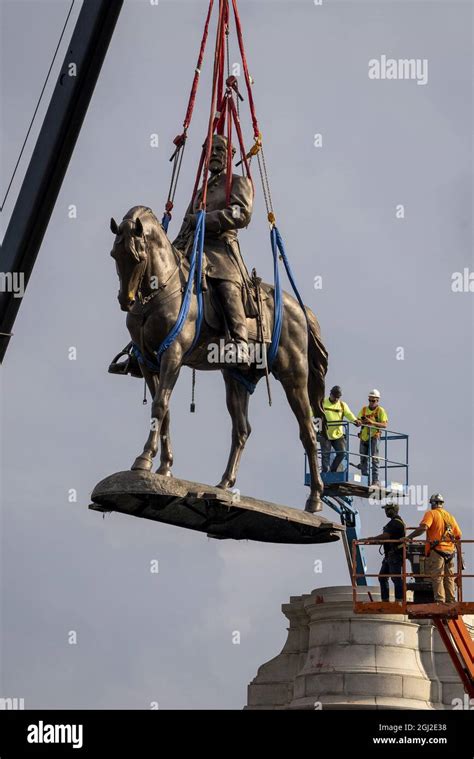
(167, 637)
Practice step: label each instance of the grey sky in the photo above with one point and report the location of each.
(66, 424)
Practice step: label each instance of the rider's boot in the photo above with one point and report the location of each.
(237, 350)
(243, 354)
(236, 354)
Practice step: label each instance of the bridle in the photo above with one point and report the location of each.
(157, 290)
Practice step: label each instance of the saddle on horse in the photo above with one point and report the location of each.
(257, 330)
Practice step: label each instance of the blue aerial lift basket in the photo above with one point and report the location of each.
(348, 482)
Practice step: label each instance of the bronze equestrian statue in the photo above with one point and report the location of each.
(152, 274)
(223, 264)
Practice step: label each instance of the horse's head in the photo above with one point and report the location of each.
(130, 255)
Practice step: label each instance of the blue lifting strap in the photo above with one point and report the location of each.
(195, 277)
(240, 377)
(278, 249)
(166, 221)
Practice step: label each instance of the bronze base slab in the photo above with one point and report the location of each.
(218, 513)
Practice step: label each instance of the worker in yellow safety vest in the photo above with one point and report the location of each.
(373, 418)
(335, 411)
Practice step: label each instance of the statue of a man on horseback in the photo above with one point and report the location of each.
(152, 276)
(223, 265)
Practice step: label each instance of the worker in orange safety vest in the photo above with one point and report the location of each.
(442, 532)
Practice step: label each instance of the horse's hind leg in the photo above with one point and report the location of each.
(237, 398)
(295, 386)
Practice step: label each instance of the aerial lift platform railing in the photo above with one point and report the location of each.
(343, 485)
(353, 458)
(447, 617)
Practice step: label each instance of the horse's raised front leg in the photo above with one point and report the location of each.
(295, 386)
(237, 399)
(161, 390)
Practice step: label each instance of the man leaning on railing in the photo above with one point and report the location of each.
(393, 553)
(335, 411)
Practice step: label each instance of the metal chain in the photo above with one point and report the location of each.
(266, 178)
(173, 174)
(177, 162)
(192, 407)
(237, 99)
(264, 187)
(181, 154)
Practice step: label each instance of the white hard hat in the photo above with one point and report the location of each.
(375, 393)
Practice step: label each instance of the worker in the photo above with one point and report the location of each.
(442, 532)
(393, 553)
(373, 418)
(335, 411)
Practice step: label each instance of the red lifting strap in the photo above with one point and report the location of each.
(198, 174)
(220, 85)
(220, 35)
(238, 26)
(228, 186)
(192, 97)
(240, 136)
(222, 103)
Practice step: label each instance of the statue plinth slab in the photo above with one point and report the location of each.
(218, 513)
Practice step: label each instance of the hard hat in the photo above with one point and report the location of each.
(374, 393)
(336, 391)
(436, 498)
(392, 507)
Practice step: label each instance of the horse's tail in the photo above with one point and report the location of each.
(317, 367)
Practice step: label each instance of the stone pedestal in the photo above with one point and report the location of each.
(335, 659)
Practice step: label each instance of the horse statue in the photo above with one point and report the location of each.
(152, 275)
